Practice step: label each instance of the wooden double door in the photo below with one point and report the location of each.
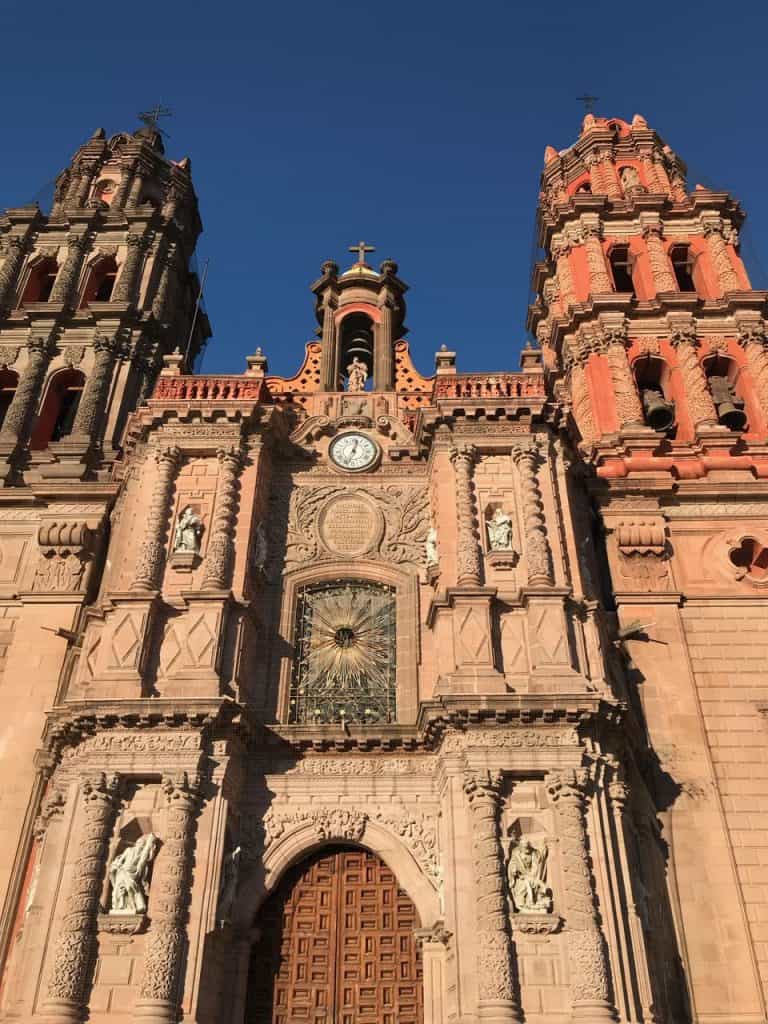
(337, 946)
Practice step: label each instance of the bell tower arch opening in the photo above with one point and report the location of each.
(337, 942)
(356, 350)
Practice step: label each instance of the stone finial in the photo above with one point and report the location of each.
(445, 361)
(550, 154)
(257, 364)
(530, 358)
(172, 364)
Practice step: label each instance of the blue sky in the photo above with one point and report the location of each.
(418, 126)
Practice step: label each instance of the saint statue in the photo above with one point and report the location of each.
(186, 536)
(527, 878)
(499, 528)
(230, 878)
(357, 375)
(260, 548)
(129, 874)
(430, 546)
(630, 181)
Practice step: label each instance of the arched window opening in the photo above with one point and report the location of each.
(357, 349)
(752, 558)
(101, 281)
(721, 374)
(682, 267)
(345, 654)
(41, 280)
(8, 383)
(585, 188)
(104, 191)
(57, 415)
(652, 376)
(621, 268)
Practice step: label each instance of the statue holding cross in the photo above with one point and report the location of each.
(361, 249)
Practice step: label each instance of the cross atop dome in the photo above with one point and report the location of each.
(361, 249)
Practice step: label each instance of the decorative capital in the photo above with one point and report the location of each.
(136, 241)
(713, 227)
(614, 334)
(482, 786)
(40, 347)
(465, 453)
(77, 242)
(168, 456)
(179, 790)
(683, 334)
(529, 452)
(568, 786)
(653, 230)
(752, 333)
(230, 458)
(98, 789)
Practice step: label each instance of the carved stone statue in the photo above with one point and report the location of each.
(357, 375)
(630, 181)
(129, 874)
(189, 527)
(260, 548)
(499, 528)
(430, 547)
(230, 878)
(527, 877)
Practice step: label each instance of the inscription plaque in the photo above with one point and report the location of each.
(350, 525)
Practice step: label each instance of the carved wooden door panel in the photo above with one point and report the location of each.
(337, 946)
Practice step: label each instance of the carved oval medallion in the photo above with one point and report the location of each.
(351, 525)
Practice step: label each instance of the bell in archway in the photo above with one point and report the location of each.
(729, 412)
(361, 345)
(659, 413)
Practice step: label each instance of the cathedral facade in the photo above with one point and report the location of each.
(370, 697)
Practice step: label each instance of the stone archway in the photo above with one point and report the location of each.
(336, 943)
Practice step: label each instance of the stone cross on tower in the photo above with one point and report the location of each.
(151, 117)
(361, 249)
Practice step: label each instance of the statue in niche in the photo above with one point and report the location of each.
(630, 181)
(527, 878)
(430, 547)
(260, 548)
(129, 876)
(499, 528)
(357, 375)
(230, 879)
(186, 536)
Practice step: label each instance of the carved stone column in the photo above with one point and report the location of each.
(581, 400)
(599, 279)
(90, 411)
(497, 996)
(221, 546)
(713, 232)
(73, 959)
(160, 301)
(468, 564)
(752, 339)
(9, 272)
(125, 286)
(24, 402)
(159, 993)
(661, 268)
(700, 405)
(149, 564)
(66, 280)
(628, 408)
(85, 172)
(589, 971)
(384, 370)
(136, 186)
(537, 550)
(560, 254)
(330, 356)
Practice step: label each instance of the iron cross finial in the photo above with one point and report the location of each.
(361, 249)
(589, 102)
(151, 117)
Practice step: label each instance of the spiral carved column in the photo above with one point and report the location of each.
(581, 400)
(753, 340)
(24, 402)
(159, 994)
(599, 279)
(497, 996)
(697, 393)
(663, 278)
(9, 272)
(165, 291)
(564, 276)
(628, 408)
(67, 278)
(537, 550)
(90, 411)
(74, 956)
(85, 172)
(125, 286)
(718, 250)
(150, 560)
(221, 546)
(588, 963)
(468, 564)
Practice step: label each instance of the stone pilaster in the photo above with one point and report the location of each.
(24, 402)
(384, 373)
(125, 286)
(661, 268)
(137, 184)
(159, 993)
(629, 411)
(599, 279)
(581, 400)
(700, 405)
(537, 550)
(90, 411)
(718, 250)
(149, 564)
(468, 562)
(84, 178)
(126, 177)
(497, 997)
(588, 962)
(163, 295)
(221, 546)
(73, 959)
(752, 338)
(565, 283)
(67, 277)
(9, 272)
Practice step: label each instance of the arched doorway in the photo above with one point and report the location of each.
(337, 946)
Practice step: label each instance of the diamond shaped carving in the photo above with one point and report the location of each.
(513, 645)
(201, 641)
(473, 633)
(125, 641)
(171, 649)
(548, 632)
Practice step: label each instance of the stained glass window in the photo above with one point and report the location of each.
(344, 668)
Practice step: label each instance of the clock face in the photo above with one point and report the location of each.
(354, 451)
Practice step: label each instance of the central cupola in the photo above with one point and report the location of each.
(361, 313)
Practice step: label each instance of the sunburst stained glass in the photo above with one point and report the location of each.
(344, 670)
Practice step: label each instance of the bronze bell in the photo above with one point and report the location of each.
(659, 413)
(361, 345)
(729, 413)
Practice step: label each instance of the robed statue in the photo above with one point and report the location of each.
(189, 527)
(527, 878)
(357, 375)
(129, 876)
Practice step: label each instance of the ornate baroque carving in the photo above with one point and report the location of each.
(468, 553)
(150, 559)
(628, 408)
(221, 547)
(752, 338)
(700, 404)
(537, 548)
